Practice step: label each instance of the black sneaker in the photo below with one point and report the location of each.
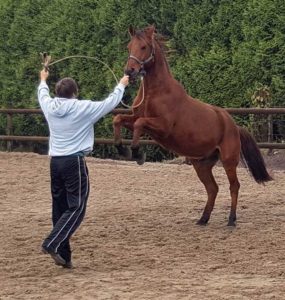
(67, 265)
(55, 256)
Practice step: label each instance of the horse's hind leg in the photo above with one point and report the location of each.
(203, 169)
(231, 171)
(230, 155)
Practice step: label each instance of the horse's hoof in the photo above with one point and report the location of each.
(139, 156)
(202, 222)
(232, 223)
(127, 155)
(141, 160)
(125, 152)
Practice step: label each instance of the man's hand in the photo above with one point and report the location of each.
(125, 80)
(44, 74)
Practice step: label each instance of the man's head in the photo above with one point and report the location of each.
(66, 88)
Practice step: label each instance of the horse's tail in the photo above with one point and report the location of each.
(252, 157)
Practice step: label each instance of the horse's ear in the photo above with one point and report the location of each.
(150, 31)
(132, 31)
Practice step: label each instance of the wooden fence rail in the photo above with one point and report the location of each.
(235, 111)
(9, 137)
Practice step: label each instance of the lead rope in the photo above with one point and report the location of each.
(46, 63)
(137, 105)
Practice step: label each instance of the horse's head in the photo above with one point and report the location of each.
(141, 52)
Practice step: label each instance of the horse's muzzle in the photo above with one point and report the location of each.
(134, 74)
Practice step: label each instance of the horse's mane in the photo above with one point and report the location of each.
(161, 41)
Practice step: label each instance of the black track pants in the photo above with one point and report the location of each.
(70, 190)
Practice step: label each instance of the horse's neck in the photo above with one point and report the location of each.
(159, 74)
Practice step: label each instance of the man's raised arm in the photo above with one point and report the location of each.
(43, 89)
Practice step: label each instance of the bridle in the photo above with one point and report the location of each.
(142, 63)
(142, 71)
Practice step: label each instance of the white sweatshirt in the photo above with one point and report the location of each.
(71, 121)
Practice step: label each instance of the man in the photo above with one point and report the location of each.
(71, 123)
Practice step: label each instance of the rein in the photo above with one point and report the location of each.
(142, 100)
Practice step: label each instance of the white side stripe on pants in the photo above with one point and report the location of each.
(87, 190)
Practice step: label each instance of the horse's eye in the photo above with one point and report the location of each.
(143, 47)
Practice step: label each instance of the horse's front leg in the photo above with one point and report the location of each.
(157, 126)
(125, 121)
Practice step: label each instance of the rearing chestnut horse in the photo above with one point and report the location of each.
(176, 121)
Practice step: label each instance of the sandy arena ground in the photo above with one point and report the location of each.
(139, 239)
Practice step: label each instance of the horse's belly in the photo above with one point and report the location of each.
(193, 148)
(196, 134)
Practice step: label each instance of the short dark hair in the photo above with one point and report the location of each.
(66, 88)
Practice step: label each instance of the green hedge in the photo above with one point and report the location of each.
(223, 50)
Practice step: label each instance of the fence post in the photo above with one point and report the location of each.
(269, 133)
(9, 130)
